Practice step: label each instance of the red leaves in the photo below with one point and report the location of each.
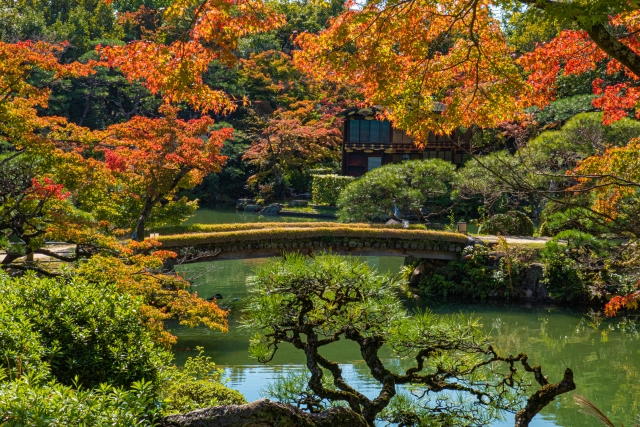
(156, 156)
(617, 303)
(616, 101)
(46, 189)
(293, 140)
(574, 53)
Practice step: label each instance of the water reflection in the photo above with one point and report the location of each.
(604, 355)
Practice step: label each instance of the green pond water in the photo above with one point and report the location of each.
(604, 355)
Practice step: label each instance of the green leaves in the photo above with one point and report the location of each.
(409, 185)
(329, 292)
(81, 330)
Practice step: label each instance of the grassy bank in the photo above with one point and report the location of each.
(226, 233)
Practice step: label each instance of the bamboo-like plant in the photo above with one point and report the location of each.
(589, 408)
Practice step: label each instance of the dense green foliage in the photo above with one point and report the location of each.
(81, 332)
(419, 187)
(512, 223)
(74, 353)
(579, 267)
(325, 189)
(32, 401)
(478, 276)
(196, 385)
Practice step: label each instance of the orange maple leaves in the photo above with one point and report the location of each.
(574, 53)
(611, 177)
(406, 56)
(164, 150)
(164, 296)
(20, 122)
(76, 168)
(212, 32)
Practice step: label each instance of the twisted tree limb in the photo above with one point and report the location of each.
(547, 393)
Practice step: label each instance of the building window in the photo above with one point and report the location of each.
(372, 131)
(399, 137)
(405, 157)
(374, 162)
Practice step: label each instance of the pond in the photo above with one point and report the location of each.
(604, 355)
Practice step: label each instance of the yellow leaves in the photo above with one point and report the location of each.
(178, 9)
(612, 177)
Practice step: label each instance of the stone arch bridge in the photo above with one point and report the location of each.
(205, 243)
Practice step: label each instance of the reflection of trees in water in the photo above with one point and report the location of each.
(604, 355)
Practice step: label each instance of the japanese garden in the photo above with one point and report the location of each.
(317, 213)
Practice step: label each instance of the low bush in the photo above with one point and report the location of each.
(512, 223)
(196, 385)
(84, 333)
(326, 189)
(30, 401)
(580, 267)
(562, 276)
(479, 275)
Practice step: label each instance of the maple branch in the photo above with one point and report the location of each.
(602, 37)
(614, 47)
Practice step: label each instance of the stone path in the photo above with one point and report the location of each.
(515, 240)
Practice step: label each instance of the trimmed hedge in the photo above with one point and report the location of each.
(305, 233)
(512, 223)
(326, 189)
(215, 228)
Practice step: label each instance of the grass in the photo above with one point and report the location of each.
(230, 233)
(312, 209)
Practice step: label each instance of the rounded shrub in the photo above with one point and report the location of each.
(563, 276)
(191, 395)
(198, 384)
(409, 186)
(512, 223)
(90, 331)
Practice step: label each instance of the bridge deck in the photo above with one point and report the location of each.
(242, 241)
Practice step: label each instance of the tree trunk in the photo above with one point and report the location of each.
(138, 233)
(263, 413)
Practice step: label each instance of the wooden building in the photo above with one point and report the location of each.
(368, 143)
